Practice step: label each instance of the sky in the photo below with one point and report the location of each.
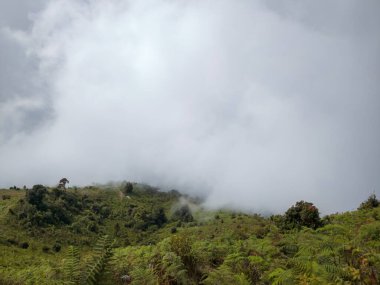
(253, 105)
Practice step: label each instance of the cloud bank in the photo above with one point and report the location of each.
(253, 104)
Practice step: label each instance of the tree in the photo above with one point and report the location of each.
(302, 214)
(62, 183)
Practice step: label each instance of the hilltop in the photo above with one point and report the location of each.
(136, 234)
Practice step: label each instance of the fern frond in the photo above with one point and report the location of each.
(100, 257)
(281, 277)
(71, 266)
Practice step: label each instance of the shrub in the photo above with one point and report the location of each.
(370, 203)
(24, 245)
(105, 212)
(159, 217)
(45, 249)
(6, 197)
(42, 207)
(116, 229)
(302, 214)
(183, 214)
(57, 247)
(370, 232)
(93, 227)
(12, 241)
(128, 188)
(181, 245)
(36, 195)
(58, 192)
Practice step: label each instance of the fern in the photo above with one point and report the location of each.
(222, 275)
(71, 266)
(173, 268)
(281, 277)
(144, 276)
(102, 253)
(73, 273)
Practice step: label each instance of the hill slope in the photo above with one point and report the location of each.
(112, 235)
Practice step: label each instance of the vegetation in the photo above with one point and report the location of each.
(105, 235)
(127, 188)
(370, 203)
(302, 214)
(183, 214)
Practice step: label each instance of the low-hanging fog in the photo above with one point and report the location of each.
(253, 104)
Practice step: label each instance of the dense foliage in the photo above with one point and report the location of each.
(183, 214)
(103, 235)
(302, 214)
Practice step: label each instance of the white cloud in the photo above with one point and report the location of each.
(226, 98)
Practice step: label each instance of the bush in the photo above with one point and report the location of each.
(370, 232)
(57, 247)
(6, 197)
(127, 188)
(12, 241)
(24, 245)
(159, 217)
(42, 207)
(302, 214)
(116, 229)
(45, 249)
(370, 203)
(181, 245)
(144, 219)
(36, 195)
(183, 214)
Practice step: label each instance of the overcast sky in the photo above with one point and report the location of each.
(254, 104)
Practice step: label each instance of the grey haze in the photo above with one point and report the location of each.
(254, 104)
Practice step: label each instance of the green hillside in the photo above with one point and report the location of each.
(135, 234)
